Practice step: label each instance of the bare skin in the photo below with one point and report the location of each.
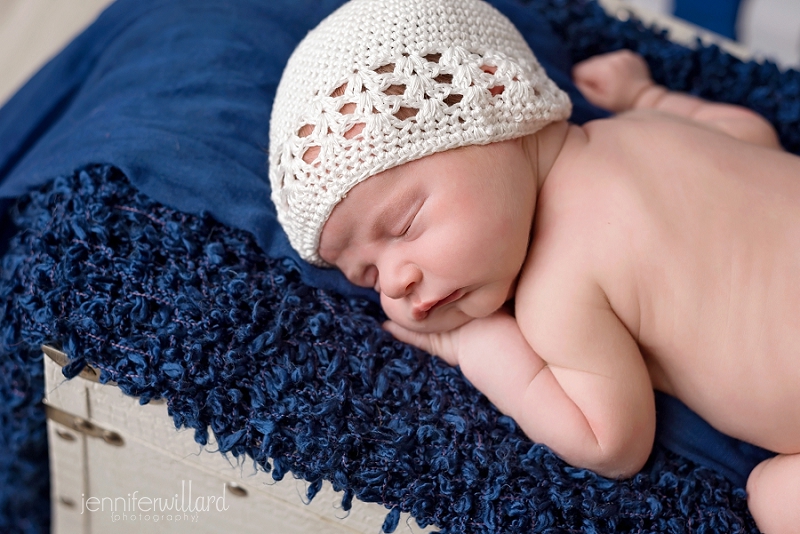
(659, 250)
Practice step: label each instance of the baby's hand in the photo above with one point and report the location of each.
(613, 81)
(442, 344)
(452, 345)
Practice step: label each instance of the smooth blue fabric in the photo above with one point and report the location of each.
(684, 432)
(177, 94)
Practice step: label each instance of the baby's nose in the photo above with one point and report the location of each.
(402, 283)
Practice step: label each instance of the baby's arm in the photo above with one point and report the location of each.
(620, 81)
(591, 402)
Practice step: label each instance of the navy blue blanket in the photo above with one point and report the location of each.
(177, 94)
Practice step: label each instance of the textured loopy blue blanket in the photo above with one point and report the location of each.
(176, 305)
(301, 379)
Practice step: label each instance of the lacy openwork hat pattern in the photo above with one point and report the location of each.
(380, 83)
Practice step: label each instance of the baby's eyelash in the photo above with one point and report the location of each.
(410, 224)
(408, 220)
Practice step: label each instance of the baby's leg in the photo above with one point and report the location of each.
(773, 494)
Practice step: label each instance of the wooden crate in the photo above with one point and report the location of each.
(111, 458)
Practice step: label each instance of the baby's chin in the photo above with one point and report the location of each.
(429, 326)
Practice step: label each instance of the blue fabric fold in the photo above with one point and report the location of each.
(682, 431)
(177, 94)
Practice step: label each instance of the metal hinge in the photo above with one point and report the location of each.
(88, 372)
(84, 426)
(60, 357)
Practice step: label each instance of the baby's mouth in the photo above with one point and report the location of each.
(421, 311)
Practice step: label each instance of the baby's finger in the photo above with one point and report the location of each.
(441, 344)
(405, 335)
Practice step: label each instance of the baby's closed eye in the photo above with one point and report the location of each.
(410, 223)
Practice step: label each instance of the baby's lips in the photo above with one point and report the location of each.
(420, 312)
(452, 297)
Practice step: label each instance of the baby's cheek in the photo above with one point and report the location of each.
(396, 310)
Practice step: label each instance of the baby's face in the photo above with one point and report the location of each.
(442, 239)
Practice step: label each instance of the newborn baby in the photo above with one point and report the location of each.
(568, 270)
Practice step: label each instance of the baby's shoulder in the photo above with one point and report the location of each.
(580, 262)
(582, 250)
(589, 192)
(570, 241)
(628, 128)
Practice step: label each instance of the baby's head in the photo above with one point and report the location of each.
(431, 100)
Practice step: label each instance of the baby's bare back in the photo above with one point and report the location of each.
(694, 237)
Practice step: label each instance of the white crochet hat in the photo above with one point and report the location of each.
(380, 83)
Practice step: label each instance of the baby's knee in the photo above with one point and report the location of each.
(773, 494)
(755, 490)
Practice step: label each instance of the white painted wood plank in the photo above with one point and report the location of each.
(156, 459)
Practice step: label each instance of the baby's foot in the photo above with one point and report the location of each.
(613, 81)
